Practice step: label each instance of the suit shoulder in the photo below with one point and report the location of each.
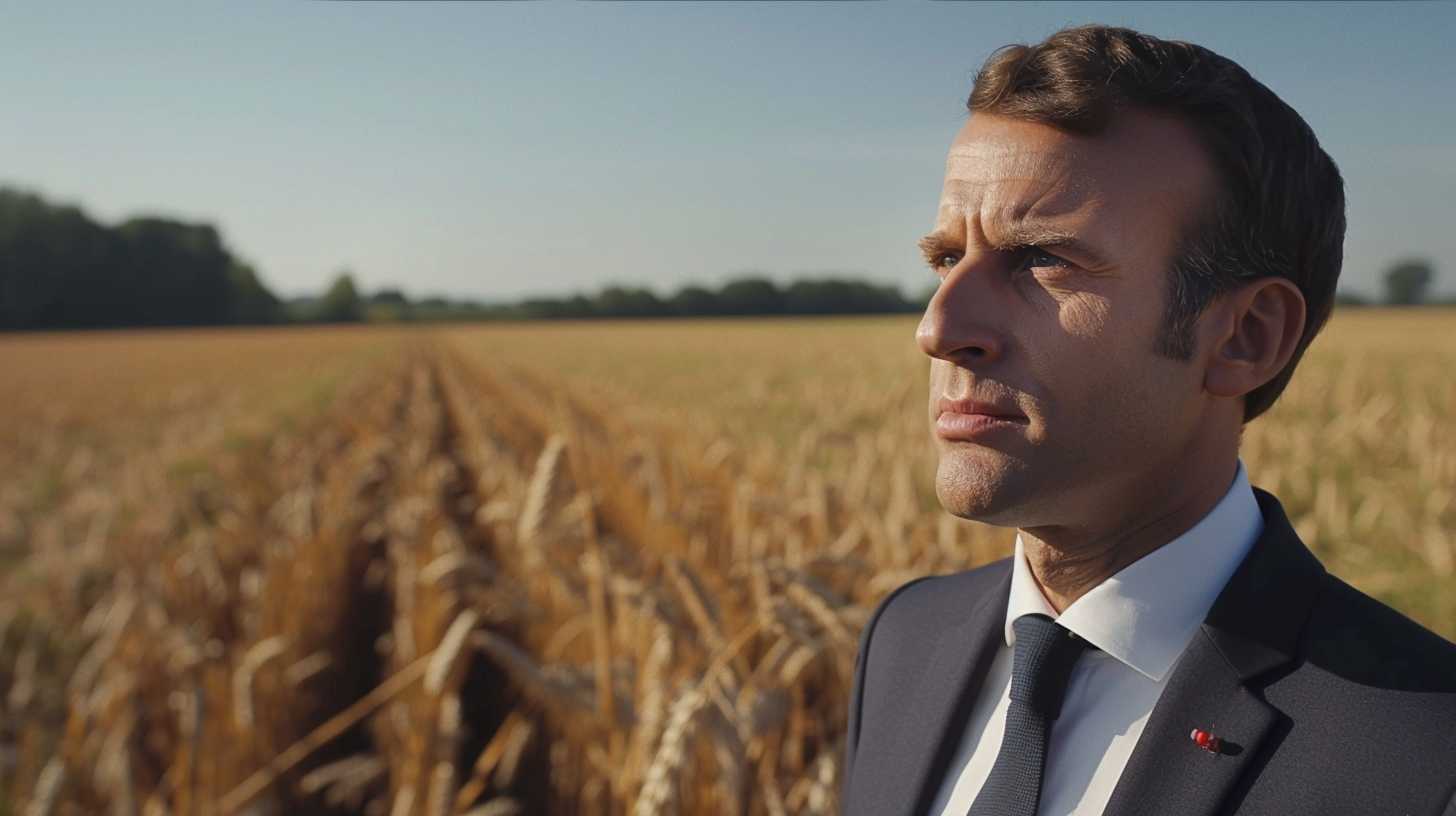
(935, 598)
(1364, 640)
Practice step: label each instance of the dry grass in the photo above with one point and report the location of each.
(556, 568)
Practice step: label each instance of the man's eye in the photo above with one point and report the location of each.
(945, 261)
(1036, 257)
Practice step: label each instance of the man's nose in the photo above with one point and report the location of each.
(957, 325)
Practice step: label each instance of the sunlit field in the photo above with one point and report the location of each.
(589, 567)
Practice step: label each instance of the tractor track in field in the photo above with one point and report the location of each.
(458, 587)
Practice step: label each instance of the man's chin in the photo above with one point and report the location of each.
(984, 488)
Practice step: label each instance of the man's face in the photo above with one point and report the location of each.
(1054, 253)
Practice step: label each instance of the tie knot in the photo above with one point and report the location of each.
(1042, 664)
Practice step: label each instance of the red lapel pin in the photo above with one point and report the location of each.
(1206, 741)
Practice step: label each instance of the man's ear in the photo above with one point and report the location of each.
(1255, 330)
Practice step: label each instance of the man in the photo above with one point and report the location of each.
(1136, 241)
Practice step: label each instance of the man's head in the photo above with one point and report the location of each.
(1136, 242)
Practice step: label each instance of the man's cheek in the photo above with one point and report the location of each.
(1086, 316)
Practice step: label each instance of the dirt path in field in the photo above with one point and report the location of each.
(457, 589)
(443, 739)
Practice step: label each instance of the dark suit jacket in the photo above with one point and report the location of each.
(1328, 701)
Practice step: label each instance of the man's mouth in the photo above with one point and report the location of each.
(968, 419)
(979, 408)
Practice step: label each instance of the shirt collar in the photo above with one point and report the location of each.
(1146, 613)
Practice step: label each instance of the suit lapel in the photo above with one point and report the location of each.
(1168, 772)
(1252, 629)
(902, 773)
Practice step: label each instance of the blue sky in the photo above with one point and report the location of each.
(494, 150)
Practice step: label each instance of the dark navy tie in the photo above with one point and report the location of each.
(1042, 664)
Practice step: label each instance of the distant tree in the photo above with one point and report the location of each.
(694, 301)
(394, 297)
(624, 301)
(251, 302)
(540, 308)
(1347, 298)
(52, 258)
(60, 269)
(1408, 281)
(169, 273)
(750, 296)
(341, 303)
(576, 306)
(388, 306)
(836, 296)
(301, 308)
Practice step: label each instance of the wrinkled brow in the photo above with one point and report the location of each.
(1019, 235)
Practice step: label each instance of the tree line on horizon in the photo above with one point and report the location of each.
(749, 295)
(61, 269)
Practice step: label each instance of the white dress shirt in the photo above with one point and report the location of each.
(1140, 619)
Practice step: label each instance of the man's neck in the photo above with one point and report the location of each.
(1068, 561)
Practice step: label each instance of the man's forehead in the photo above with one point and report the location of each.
(991, 161)
(1011, 167)
(1055, 194)
(1008, 195)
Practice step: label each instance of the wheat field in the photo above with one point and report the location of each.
(596, 568)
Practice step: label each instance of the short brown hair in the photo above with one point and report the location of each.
(1281, 209)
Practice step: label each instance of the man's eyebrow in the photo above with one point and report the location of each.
(932, 245)
(1020, 235)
